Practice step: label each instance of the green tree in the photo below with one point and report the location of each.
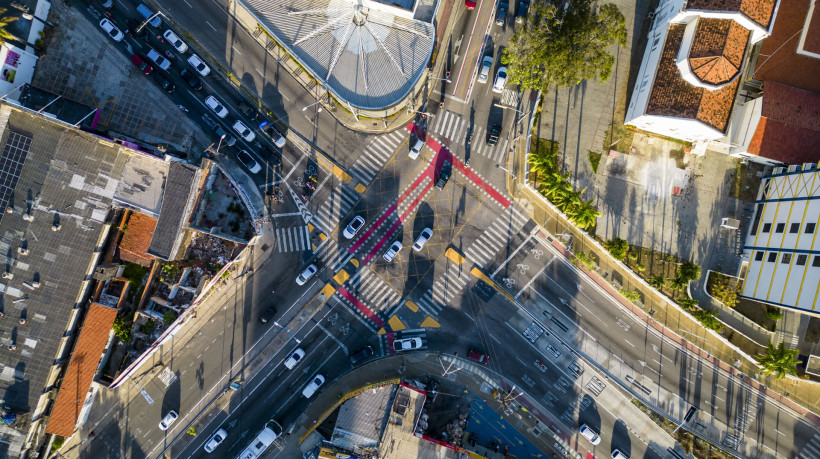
(122, 328)
(725, 290)
(169, 317)
(774, 314)
(688, 304)
(778, 361)
(677, 283)
(5, 35)
(689, 271)
(585, 216)
(657, 282)
(708, 319)
(564, 46)
(617, 247)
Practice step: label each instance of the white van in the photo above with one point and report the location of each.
(161, 62)
(414, 152)
(146, 13)
(263, 440)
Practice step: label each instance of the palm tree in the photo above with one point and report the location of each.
(779, 361)
(657, 282)
(676, 283)
(585, 215)
(5, 35)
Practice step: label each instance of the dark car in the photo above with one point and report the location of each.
(164, 83)
(273, 158)
(444, 174)
(267, 315)
(361, 355)
(247, 110)
(478, 356)
(273, 134)
(492, 135)
(141, 64)
(191, 79)
(523, 6)
(501, 17)
(133, 24)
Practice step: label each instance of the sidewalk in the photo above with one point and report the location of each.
(657, 310)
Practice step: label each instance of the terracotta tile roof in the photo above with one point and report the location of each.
(137, 238)
(717, 50)
(779, 60)
(759, 11)
(81, 368)
(789, 129)
(673, 96)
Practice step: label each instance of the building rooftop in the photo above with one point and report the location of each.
(366, 53)
(177, 204)
(134, 245)
(759, 11)
(361, 419)
(60, 184)
(791, 54)
(717, 50)
(81, 369)
(673, 96)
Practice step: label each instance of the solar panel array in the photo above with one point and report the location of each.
(11, 164)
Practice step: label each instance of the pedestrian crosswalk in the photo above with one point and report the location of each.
(332, 254)
(292, 239)
(447, 286)
(336, 206)
(373, 290)
(811, 449)
(495, 236)
(454, 127)
(376, 155)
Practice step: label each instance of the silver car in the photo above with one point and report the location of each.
(486, 65)
(175, 41)
(306, 275)
(425, 235)
(353, 227)
(589, 434)
(392, 251)
(216, 440)
(111, 30)
(168, 420)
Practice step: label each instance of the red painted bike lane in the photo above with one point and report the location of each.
(361, 307)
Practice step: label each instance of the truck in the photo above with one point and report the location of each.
(262, 441)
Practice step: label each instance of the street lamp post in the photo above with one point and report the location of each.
(220, 143)
(289, 332)
(311, 105)
(507, 107)
(499, 166)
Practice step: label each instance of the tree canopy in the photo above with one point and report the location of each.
(564, 46)
(779, 361)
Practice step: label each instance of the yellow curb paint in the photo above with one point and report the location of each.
(354, 262)
(477, 273)
(314, 247)
(412, 306)
(396, 323)
(430, 322)
(454, 256)
(360, 188)
(310, 227)
(328, 290)
(341, 277)
(382, 331)
(322, 236)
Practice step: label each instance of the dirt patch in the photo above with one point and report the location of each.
(677, 155)
(756, 312)
(746, 181)
(813, 330)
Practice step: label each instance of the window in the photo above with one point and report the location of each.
(810, 227)
(794, 228)
(767, 227)
(786, 258)
(780, 227)
(772, 257)
(816, 262)
(759, 256)
(801, 260)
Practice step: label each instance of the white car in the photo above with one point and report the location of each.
(353, 227)
(158, 59)
(217, 107)
(111, 30)
(500, 79)
(407, 344)
(294, 358)
(314, 385)
(175, 41)
(486, 65)
(306, 274)
(168, 420)
(244, 131)
(414, 152)
(216, 440)
(392, 251)
(199, 65)
(589, 434)
(248, 161)
(425, 235)
(617, 454)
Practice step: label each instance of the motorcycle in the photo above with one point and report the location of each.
(541, 366)
(182, 107)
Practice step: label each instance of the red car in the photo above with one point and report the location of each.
(469, 4)
(477, 356)
(146, 69)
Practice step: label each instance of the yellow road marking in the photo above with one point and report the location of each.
(454, 256)
(477, 273)
(430, 322)
(412, 306)
(396, 323)
(341, 277)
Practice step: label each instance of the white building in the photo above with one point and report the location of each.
(692, 67)
(782, 251)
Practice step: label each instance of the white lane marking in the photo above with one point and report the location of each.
(209, 25)
(189, 5)
(259, 72)
(237, 51)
